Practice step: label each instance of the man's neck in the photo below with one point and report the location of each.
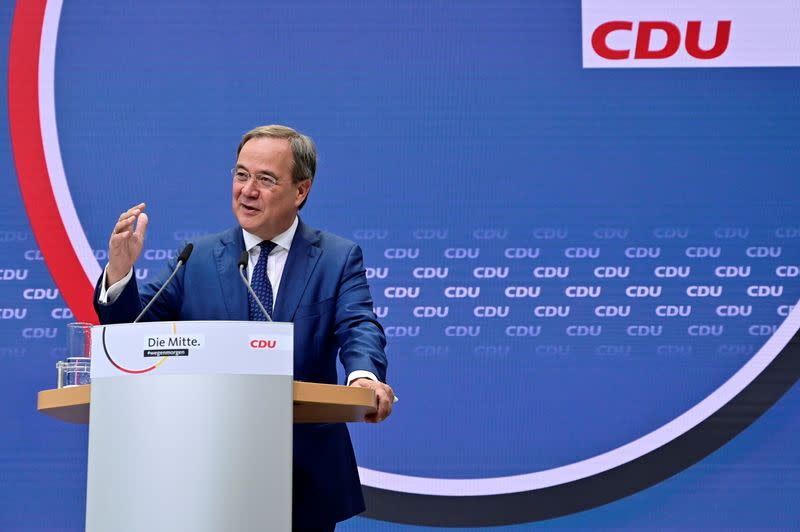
(283, 239)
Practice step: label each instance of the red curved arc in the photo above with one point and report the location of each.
(34, 180)
(113, 363)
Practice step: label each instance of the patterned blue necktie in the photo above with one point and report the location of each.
(261, 285)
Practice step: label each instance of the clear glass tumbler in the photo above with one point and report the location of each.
(76, 369)
(79, 339)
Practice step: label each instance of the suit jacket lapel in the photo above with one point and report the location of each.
(303, 257)
(234, 293)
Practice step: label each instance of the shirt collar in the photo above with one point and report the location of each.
(283, 240)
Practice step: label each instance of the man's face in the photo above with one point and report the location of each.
(262, 210)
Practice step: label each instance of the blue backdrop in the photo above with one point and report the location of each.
(564, 259)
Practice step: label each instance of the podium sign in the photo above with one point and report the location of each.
(192, 347)
(165, 453)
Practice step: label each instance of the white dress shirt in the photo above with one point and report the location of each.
(277, 257)
(275, 265)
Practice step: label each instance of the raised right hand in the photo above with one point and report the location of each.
(126, 243)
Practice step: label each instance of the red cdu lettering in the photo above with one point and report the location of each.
(644, 37)
(263, 344)
(721, 40)
(600, 36)
(649, 31)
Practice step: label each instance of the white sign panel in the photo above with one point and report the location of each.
(193, 347)
(664, 33)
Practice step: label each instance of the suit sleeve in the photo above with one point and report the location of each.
(133, 299)
(360, 337)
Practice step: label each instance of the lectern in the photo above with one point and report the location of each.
(190, 426)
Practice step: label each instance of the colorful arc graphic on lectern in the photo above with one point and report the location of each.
(74, 268)
(129, 370)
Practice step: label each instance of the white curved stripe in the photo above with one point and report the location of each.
(52, 149)
(603, 462)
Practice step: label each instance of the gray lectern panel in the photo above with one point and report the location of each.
(168, 454)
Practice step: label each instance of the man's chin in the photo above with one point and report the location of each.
(248, 223)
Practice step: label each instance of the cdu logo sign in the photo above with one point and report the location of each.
(258, 342)
(731, 33)
(644, 48)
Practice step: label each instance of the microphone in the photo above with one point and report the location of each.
(182, 258)
(243, 260)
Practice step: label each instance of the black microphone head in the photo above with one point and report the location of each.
(243, 259)
(184, 256)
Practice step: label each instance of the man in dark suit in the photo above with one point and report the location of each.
(315, 279)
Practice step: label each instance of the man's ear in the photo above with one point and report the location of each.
(303, 188)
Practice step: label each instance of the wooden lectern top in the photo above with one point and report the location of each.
(313, 403)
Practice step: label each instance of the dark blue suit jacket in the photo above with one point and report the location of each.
(324, 292)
